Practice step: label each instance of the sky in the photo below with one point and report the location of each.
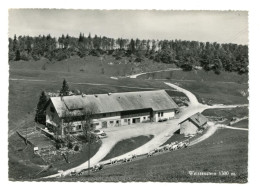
(211, 26)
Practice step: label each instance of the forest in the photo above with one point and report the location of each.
(188, 55)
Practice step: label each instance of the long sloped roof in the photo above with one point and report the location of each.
(115, 102)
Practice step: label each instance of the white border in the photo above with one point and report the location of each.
(254, 33)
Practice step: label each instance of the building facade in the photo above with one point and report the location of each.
(193, 124)
(108, 110)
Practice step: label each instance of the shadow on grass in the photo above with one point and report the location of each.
(127, 145)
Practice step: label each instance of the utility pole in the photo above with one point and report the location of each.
(89, 153)
(26, 136)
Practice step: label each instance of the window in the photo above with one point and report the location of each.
(144, 118)
(125, 120)
(79, 127)
(111, 122)
(161, 114)
(104, 115)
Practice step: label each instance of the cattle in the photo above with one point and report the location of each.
(97, 167)
(151, 153)
(129, 158)
(73, 173)
(173, 147)
(133, 156)
(166, 147)
(159, 149)
(113, 161)
(183, 144)
(180, 145)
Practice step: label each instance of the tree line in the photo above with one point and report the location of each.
(185, 54)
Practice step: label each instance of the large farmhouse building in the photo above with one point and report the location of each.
(109, 110)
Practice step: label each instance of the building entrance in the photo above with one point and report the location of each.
(136, 120)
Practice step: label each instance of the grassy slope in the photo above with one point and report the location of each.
(208, 156)
(175, 137)
(91, 65)
(25, 164)
(127, 145)
(241, 124)
(200, 76)
(208, 86)
(228, 114)
(23, 96)
(217, 93)
(22, 164)
(76, 159)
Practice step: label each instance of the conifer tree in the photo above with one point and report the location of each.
(40, 112)
(64, 89)
(17, 55)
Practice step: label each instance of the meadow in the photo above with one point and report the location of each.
(28, 79)
(127, 145)
(224, 152)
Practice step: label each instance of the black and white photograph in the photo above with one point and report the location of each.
(128, 95)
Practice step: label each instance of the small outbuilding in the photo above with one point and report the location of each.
(193, 124)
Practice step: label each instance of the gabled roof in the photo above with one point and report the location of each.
(115, 102)
(198, 119)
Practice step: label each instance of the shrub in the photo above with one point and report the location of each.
(11, 56)
(186, 67)
(82, 53)
(118, 57)
(70, 145)
(94, 52)
(217, 71)
(61, 55)
(58, 145)
(24, 56)
(139, 59)
(76, 148)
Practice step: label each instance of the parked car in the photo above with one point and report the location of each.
(101, 134)
(163, 119)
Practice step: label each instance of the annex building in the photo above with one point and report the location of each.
(109, 110)
(193, 124)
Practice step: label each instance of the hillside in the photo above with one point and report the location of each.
(28, 78)
(224, 152)
(91, 65)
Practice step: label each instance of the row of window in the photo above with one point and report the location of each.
(160, 114)
(78, 127)
(125, 120)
